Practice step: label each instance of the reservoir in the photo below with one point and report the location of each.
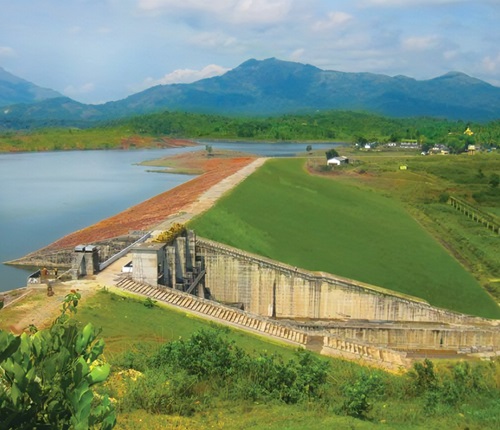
(46, 195)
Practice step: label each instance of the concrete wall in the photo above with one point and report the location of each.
(149, 263)
(415, 338)
(340, 317)
(270, 288)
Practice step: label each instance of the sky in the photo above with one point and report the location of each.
(96, 51)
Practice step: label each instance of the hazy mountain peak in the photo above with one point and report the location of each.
(14, 90)
(275, 87)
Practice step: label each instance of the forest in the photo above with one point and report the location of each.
(334, 126)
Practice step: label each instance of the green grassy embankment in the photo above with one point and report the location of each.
(320, 224)
(464, 397)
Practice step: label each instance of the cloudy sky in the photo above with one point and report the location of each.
(100, 50)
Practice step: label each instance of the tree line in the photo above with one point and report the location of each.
(340, 126)
(335, 126)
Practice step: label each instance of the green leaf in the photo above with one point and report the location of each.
(99, 374)
(85, 338)
(16, 394)
(8, 345)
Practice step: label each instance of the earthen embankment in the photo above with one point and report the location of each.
(191, 197)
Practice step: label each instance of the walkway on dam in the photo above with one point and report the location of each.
(207, 199)
(109, 275)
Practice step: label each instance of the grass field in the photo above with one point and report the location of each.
(126, 322)
(320, 224)
(128, 325)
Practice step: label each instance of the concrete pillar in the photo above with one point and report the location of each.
(171, 276)
(191, 250)
(180, 260)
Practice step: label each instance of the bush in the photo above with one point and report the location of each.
(444, 197)
(209, 357)
(161, 392)
(205, 354)
(424, 377)
(360, 394)
(47, 378)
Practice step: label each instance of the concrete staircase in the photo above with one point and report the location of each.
(214, 310)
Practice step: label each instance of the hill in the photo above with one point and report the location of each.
(15, 90)
(273, 87)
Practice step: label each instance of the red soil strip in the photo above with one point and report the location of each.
(150, 213)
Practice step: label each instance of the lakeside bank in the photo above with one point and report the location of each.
(157, 213)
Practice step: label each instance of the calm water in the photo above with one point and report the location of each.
(44, 196)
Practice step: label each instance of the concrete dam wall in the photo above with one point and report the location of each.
(323, 312)
(273, 289)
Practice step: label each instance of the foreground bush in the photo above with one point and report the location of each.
(181, 372)
(46, 377)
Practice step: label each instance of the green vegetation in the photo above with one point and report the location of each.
(365, 221)
(338, 126)
(284, 213)
(47, 377)
(424, 190)
(56, 139)
(176, 371)
(324, 126)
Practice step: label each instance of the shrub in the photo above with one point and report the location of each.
(360, 394)
(149, 302)
(210, 357)
(424, 376)
(47, 377)
(291, 382)
(161, 391)
(444, 197)
(206, 353)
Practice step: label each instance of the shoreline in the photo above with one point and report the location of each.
(151, 214)
(25, 310)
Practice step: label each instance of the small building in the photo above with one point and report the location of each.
(410, 144)
(468, 132)
(337, 161)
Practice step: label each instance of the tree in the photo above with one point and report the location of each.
(331, 153)
(46, 377)
(494, 180)
(360, 394)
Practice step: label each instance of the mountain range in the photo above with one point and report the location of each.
(15, 90)
(265, 87)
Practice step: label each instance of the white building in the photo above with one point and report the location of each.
(337, 161)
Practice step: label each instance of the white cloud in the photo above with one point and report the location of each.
(297, 55)
(213, 40)
(75, 29)
(229, 11)
(491, 64)
(75, 91)
(6, 51)
(420, 43)
(183, 76)
(415, 2)
(333, 20)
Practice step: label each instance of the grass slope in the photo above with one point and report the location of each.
(283, 213)
(127, 325)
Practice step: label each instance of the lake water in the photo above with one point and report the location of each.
(46, 195)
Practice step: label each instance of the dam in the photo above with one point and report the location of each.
(332, 315)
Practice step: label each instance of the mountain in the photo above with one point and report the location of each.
(275, 87)
(15, 90)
